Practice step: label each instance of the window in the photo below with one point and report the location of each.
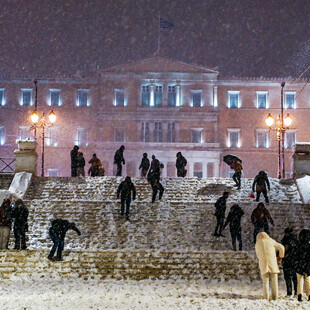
(261, 99)
(171, 135)
(52, 172)
(2, 139)
(119, 98)
(158, 95)
(196, 98)
(290, 100)
(82, 137)
(210, 170)
(24, 133)
(172, 97)
(233, 99)
(289, 139)
(55, 97)
(233, 138)
(158, 132)
(2, 102)
(145, 95)
(26, 99)
(145, 132)
(119, 135)
(50, 135)
(198, 170)
(196, 136)
(262, 140)
(82, 97)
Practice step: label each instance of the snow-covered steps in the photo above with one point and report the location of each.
(137, 265)
(5, 180)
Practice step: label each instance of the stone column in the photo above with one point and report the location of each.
(26, 156)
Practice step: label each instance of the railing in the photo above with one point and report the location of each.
(7, 164)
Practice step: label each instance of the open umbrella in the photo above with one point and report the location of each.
(228, 159)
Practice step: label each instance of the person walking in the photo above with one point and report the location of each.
(144, 166)
(80, 165)
(260, 218)
(156, 186)
(154, 172)
(5, 223)
(57, 233)
(73, 156)
(126, 190)
(266, 249)
(20, 217)
(290, 243)
(234, 221)
(180, 164)
(95, 165)
(220, 209)
(237, 166)
(303, 263)
(119, 160)
(262, 183)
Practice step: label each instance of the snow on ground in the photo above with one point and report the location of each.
(64, 293)
(304, 188)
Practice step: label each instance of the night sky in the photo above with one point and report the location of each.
(70, 38)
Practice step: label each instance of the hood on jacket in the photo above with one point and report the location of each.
(262, 235)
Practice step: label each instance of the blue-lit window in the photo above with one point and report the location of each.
(145, 132)
(82, 97)
(262, 139)
(233, 138)
(145, 95)
(55, 97)
(26, 97)
(171, 134)
(172, 98)
(196, 98)
(2, 139)
(2, 102)
(196, 136)
(119, 98)
(158, 132)
(158, 95)
(82, 137)
(233, 99)
(290, 100)
(261, 100)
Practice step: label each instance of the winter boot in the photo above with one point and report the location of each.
(299, 297)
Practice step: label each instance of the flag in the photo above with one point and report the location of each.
(164, 24)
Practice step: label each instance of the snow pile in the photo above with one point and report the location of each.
(67, 294)
(304, 188)
(20, 184)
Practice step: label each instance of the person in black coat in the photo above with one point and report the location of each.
(145, 165)
(154, 172)
(220, 209)
(156, 186)
(262, 183)
(57, 233)
(119, 160)
(20, 217)
(302, 263)
(80, 165)
(73, 156)
(290, 243)
(234, 221)
(125, 189)
(180, 164)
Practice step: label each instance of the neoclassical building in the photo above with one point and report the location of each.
(158, 106)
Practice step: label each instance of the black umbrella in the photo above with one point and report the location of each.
(228, 159)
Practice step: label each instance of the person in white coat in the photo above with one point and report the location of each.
(266, 251)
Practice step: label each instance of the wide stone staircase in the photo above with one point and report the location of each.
(162, 236)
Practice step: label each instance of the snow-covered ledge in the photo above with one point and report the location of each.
(301, 159)
(303, 185)
(26, 156)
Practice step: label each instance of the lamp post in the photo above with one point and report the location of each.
(280, 126)
(41, 123)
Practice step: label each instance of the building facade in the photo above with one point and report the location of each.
(158, 106)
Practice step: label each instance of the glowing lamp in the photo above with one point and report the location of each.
(52, 117)
(34, 117)
(288, 120)
(269, 120)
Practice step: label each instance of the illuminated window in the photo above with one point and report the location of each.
(2, 138)
(172, 96)
(289, 138)
(158, 132)
(119, 135)
(145, 132)
(290, 100)
(2, 101)
(262, 139)
(196, 98)
(233, 99)
(26, 99)
(196, 136)
(52, 172)
(171, 134)
(82, 137)
(82, 97)
(55, 97)
(158, 95)
(119, 98)
(261, 99)
(50, 135)
(233, 137)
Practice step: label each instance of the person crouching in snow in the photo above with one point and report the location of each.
(266, 249)
(303, 263)
(57, 233)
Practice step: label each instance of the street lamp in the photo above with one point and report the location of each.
(280, 126)
(41, 123)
